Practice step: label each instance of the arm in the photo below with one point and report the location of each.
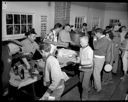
(26, 63)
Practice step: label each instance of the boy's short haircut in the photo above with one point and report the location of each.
(84, 37)
(57, 25)
(126, 36)
(98, 30)
(45, 46)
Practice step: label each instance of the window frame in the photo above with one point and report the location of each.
(20, 35)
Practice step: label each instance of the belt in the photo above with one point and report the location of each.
(97, 56)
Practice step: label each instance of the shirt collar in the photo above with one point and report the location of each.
(54, 31)
(102, 36)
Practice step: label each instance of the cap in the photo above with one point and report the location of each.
(31, 31)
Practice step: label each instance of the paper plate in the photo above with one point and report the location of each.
(108, 68)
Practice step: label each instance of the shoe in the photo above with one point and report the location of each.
(122, 78)
(104, 83)
(6, 92)
(85, 98)
(110, 81)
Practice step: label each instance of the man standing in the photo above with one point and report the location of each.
(29, 45)
(101, 44)
(64, 36)
(117, 42)
(7, 51)
(52, 37)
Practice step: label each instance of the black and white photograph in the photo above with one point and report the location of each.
(64, 51)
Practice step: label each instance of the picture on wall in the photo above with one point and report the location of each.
(113, 21)
(95, 22)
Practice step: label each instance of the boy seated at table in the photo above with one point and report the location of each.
(54, 78)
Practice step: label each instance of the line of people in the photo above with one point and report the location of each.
(98, 48)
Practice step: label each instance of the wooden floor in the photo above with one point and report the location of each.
(114, 91)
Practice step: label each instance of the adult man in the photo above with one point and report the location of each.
(84, 28)
(7, 51)
(29, 45)
(117, 42)
(52, 37)
(101, 44)
(64, 36)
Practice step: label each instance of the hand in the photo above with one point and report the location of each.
(79, 67)
(28, 66)
(95, 38)
(44, 83)
(45, 96)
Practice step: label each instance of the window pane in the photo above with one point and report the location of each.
(16, 29)
(29, 19)
(23, 29)
(23, 19)
(16, 19)
(29, 27)
(9, 18)
(9, 29)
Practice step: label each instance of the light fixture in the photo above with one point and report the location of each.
(4, 5)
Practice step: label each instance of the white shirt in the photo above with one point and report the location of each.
(86, 56)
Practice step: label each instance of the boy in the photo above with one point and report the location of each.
(53, 76)
(86, 65)
(101, 44)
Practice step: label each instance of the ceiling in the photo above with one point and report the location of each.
(97, 4)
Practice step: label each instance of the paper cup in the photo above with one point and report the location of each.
(108, 68)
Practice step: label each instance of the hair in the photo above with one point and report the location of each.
(84, 37)
(31, 31)
(111, 36)
(57, 25)
(126, 36)
(45, 46)
(98, 30)
(84, 24)
(120, 30)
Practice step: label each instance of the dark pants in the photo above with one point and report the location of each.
(5, 68)
(85, 80)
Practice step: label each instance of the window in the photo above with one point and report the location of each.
(95, 22)
(79, 21)
(113, 21)
(18, 23)
(43, 25)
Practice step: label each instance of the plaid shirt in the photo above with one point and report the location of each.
(51, 37)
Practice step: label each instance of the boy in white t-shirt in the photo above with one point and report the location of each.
(86, 65)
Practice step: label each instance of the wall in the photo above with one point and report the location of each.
(104, 10)
(77, 11)
(116, 11)
(37, 8)
(88, 10)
